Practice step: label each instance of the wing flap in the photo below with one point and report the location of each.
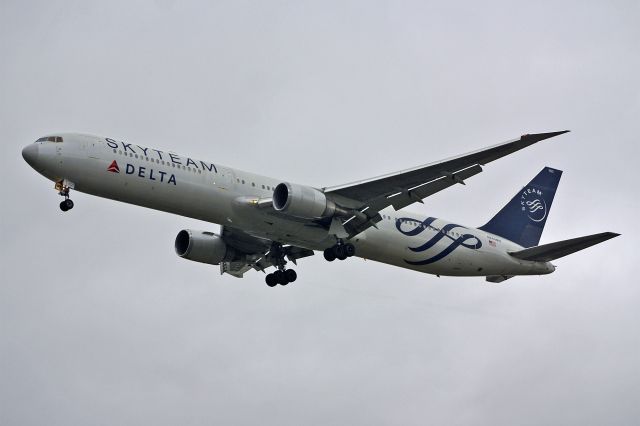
(356, 225)
(420, 192)
(552, 251)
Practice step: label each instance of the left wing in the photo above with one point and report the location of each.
(368, 197)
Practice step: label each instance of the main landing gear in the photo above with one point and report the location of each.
(64, 190)
(282, 276)
(340, 251)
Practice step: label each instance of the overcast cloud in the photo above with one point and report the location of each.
(101, 323)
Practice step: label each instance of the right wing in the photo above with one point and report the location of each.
(367, 197)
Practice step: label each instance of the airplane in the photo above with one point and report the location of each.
(267, 222)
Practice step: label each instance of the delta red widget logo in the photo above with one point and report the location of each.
(113, 167)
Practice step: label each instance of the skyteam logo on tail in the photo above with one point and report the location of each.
(533, 204)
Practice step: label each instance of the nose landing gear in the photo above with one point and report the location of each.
(64, 188)
(66, 205)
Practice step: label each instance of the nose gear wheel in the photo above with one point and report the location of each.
(64, 188)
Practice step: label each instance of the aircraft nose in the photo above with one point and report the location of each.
(30, 154)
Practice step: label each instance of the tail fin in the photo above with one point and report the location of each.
(522, 219)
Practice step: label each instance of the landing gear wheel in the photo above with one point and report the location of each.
(271, 280)
(66, 205)
(340, 252)
(349, 249)
(329, 255)
(64, 188)
(280, 277)
(290, 275)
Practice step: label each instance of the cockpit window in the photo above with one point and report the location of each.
(50, 139)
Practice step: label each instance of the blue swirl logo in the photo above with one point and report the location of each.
(465, 240)
(533, 204)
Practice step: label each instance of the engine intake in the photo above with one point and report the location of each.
(201, 246)
(302, 201)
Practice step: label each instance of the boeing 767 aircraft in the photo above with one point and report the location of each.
(266, 222)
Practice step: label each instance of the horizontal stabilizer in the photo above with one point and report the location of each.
(548, 252)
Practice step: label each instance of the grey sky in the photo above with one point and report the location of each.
(101, 323)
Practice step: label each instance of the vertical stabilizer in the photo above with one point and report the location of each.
(522, 219)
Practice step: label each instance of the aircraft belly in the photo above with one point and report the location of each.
(265, 224)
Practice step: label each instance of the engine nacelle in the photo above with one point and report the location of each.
(202, 246)
(301, 201)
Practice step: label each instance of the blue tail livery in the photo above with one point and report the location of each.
(522, 219)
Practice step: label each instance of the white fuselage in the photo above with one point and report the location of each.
(214, 193)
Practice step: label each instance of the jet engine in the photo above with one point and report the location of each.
(202, 246)
(302, 201)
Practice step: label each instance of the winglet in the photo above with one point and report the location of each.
(542, 136)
